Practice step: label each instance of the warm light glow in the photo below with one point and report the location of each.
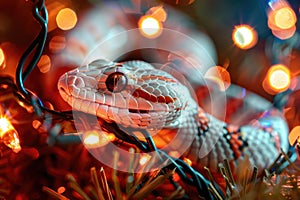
(188, 161)
(150, 27)
(111, 137)
(281, 19)
(44, 64)
(284, 34)
(158, 12)
(144, 159)
(66, 19)
(2, 57)
(285, 18)
(5, 126)
(279, 78)
(174, 154)
(93, 139)
(220, 76)
(61, 190)
(57, 44)
(244, 36)
(294, 135)
(36, 124)
(8, 134)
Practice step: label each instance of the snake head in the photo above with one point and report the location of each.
(132, 93)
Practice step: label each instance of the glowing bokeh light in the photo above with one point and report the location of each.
(188, 161)
(144, 159)
(279, 78)
(285, 18)
(8, 135)
(284, 34)
(44, 64)
(244, 36)
(57, 44)
(149, 26)
(2, 57)
(5, 125)
(93, 139)
(66, 19)
(220, 76)
(61, 190)
(158, 12)
(294, 135)
(281, 19)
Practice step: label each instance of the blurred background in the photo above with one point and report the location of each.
(253, 45)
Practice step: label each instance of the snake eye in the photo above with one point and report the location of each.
(116, 82)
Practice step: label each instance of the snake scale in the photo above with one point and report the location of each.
(135, 94)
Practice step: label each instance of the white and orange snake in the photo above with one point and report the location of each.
(135, 94)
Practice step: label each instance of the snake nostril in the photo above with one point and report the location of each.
(63, 90)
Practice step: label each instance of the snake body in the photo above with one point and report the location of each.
(135, 94)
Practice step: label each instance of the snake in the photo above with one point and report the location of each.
(136, 94)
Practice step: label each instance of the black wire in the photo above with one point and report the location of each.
(43, 20)
(38, 43)
(181, 168)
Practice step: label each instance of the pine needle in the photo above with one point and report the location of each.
(115, 177)
(54, 194)
(104, 185)
(148, 188)
(96, 183)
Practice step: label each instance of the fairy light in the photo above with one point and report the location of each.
(9, 135)
(61, 190)
(144, 159)
(44, 64)
(57, 44)
(158, 12)
(94, 139)
(285, 18)
(284, 34)
(278, 77)
(281, 19)
(219, 75)
(294, 135)
(2, 57)
(188, 161)
(244, 36)
(66, 19)
(149, 26)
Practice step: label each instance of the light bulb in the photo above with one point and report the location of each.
(8, 135)
(95, 139)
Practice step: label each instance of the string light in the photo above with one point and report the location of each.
(284, 34)
(157, 12)
(144, 159)
(188, 161)
(9, 135)
(244, 36)
(149, 26)
(66, 19)
(61, 190)
(2, 57)
(220, 76)
(44, 64)
(279, 77)
(57, 44)
(294, 135)
(94, 139)
(281, 19)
